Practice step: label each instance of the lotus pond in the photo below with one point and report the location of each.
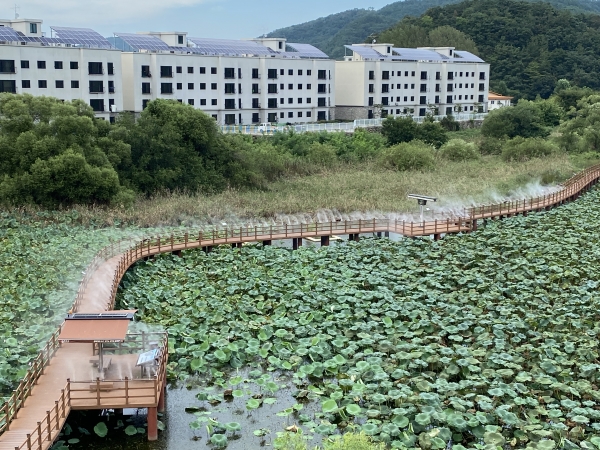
(481, 340)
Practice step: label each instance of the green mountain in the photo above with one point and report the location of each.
(331, 33)
(529, 45)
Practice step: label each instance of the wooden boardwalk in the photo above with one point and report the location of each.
(61, 378)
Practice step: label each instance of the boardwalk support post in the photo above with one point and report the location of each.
(161, 400)
(296, 243)
(437, 236)
(324, 241)
(152, 424)
(474, 226)
(265, 243)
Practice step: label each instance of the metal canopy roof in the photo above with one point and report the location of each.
(98, 330)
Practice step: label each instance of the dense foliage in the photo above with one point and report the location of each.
(483, 339)
(529, 45)
(331, 33)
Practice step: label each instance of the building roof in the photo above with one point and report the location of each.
(413, 54)
(495, 96)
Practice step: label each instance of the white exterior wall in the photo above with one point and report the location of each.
(404, 91)
(244, 112)
(51, 75)
(497, 104)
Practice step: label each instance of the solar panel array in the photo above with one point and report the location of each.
(467, 56)
(366, 52)
(143, 41)
(307, 51)
(229, 47)
(7, 34)
(81, 37)
(417, 54)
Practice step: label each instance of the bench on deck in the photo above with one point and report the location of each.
(103, 386)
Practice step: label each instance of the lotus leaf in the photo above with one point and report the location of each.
(219, 440)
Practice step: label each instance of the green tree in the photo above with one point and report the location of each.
(432, 133)
(525, 120)
(399, 129)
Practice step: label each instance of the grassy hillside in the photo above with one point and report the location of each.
(331, 33)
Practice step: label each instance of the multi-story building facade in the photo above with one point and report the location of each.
(236, 82)
(378, 80)
(74, 64)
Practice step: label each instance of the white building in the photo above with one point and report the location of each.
(378, 79)
(497, 101)
(73, 64)
(235, 81)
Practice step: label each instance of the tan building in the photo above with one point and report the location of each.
(497, 101)
(379, 79)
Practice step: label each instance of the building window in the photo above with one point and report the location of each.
(190, 86)
(281, 72)
(322, 88)
(166, 88)
(322, 75)
(299, 114)
(229, 119)
(309, 100)
(422, 111)
(309, 86)
(290, 71)
(385, 75)
(412, 98)
(95, 68)
(299, 73)
(299, 100)
(230, 103)
(255, 103)
(213, 102)
(290, 115)
(203, 102)
(272, 89)
(482, 86)
(74, 65)
(179, 86)
(97, 104)
(371, 88)
(384, 101)
(60, 84)
(385, 88)
(412, 74)
(412, 86)
(448, 99)
(272, 103)
(451, 75)
(309, 72)
(166, 72)
(300, 86)
(405, 99)
(41, 64)
(321, 115)
(482, 75)
(146, 72)
(180, 39)
(213, 86)
(202, 70)
(422, 100)
(42, 84)
(255, 89)
(74, 84)
(202, 86)
(96, 87)
(24, 64)
(58, 65)
(282, 86)
(145, 104)
(290, 86)
(255, 74)
(437, 99)
(272, 74)
(230, 88)
(480, 99)
(229, 72)
(450, 87)
(213, 70)
(110, 67)
(423, 88)
(371, 102)
(26, 84)
(7, 66)
(8, 86)
(255, 117)
(145, 88)
(438, 76)
(290, 100)
(424, 75)
(437, 88)
(33, 29)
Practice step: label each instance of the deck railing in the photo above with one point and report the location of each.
(133, 251)
(48, 430)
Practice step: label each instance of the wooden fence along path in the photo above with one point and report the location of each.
(35, 413)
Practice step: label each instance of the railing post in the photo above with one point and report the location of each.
(126, 391)
(56, 402)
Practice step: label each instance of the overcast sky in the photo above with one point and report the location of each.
(234, 19)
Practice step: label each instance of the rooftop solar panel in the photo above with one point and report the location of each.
(229, 47)
(9, 35)
(466, 56)
(366, 52)
(307, 50)
(143, 41)
(85, 37)
(418, 54)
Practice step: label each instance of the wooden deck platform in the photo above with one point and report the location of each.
(62, 378)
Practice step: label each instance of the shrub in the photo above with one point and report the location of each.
(321, 154)
(525, 119)
(521, 149)
(490, 146)
(450, 124)
(399, 129)
(415, 155)
(459, 150)
(432, 133)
